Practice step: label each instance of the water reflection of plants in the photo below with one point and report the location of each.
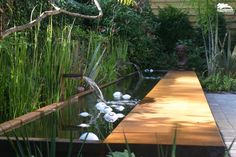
(23, 146)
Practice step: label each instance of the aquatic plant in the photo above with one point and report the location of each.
(117, 50)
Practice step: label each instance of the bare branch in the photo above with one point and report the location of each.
(45, 14)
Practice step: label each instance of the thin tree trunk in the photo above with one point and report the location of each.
(45, 14)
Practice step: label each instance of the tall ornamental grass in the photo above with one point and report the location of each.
(32, 64)
(31, 70)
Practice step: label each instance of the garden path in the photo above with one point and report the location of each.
(223, 107)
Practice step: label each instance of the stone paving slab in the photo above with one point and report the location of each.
(223, 107)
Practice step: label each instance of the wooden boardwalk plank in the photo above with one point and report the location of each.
(176, 102)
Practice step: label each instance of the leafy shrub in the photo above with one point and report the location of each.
(16, 13)
(174, 26)
(137, 26)
(219, 82)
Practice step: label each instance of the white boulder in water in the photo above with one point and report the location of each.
(120, 115)
(114, 106)
(110, 117)
(84, 114)
(83, 125)
(88, 136)
(117, 95)
(100, 106)
(120, 108)
(151, 70)
(107, 109)
(126, 97)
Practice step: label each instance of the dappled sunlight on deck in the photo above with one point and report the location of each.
(176, 102)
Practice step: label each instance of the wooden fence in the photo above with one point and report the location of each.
(190, 10)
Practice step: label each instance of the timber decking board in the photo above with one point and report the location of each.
(177, 102)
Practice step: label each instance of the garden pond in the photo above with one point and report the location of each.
(74, 119)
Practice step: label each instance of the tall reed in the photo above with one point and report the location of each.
(31, 70)
(57, 60)
(21, 92)
(117, 52)
(33, 62)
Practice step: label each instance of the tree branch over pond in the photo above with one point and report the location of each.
(43, 15)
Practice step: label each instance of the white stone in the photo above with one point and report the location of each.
(84, 114)
(126, 97)
(120, 115)
(117, 95)
(106, 109)
(151, 70)
(110, 117)
(89, 136)
(114, 106)
(120, 108)
(100, 106)
(83, 125)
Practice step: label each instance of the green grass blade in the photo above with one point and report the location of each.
(82, 146)
(19, 146)
(13, 145)
(127, 145)
(227, 154)
(96, 68)
(173, 151)
(39, 151)
(99, 131)
(53, 137)
(70, 145)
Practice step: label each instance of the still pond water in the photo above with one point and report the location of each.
(64, 123)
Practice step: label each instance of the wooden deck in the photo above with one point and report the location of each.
(176, 102)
